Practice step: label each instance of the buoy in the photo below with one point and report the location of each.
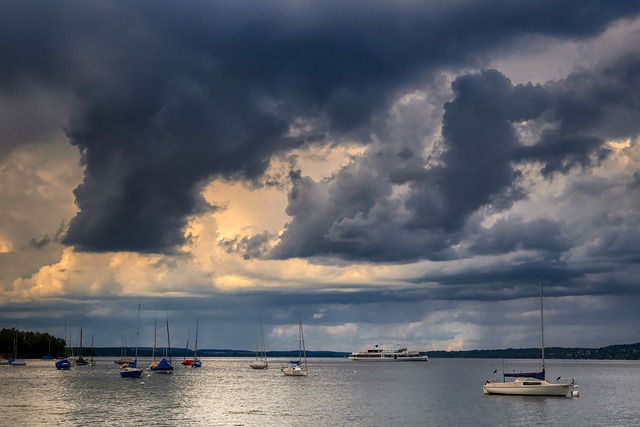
(142, 382)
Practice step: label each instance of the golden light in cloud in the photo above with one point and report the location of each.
(620, 144)
(5, 245)
(75, 274)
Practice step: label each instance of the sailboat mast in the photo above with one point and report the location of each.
(155, 327)
(137, 333)
(542, 323)
(168, 339)
(195, 353)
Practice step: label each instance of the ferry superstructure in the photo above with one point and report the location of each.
(377, 354)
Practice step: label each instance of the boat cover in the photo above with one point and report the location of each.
(536, 375)
(164, 365)
(63, 364)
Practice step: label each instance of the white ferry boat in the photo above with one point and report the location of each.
(377, 354)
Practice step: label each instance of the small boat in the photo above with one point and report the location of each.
(185, 361)
(92, 362)
(154, 362)
(164, 366)
(48, 356)
(124, 360)
(531, 383)
(298, 368)
(63, 364)
(261, 355)
(377, 354)
(196, 363)
(131, 370)
(15, 361)
(81, 361)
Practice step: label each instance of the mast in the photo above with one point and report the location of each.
(542, 324)
(168, 339)
(155, 327)
(137, 334)
(195, 352)
(302, 347)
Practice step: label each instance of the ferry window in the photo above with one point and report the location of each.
(530, 383)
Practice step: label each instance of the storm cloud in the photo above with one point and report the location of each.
(163, 97)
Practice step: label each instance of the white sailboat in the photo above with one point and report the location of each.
(531, 383)
(261, 355)
(298, 368)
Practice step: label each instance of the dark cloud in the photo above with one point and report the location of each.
(168, 96)
(475, 170)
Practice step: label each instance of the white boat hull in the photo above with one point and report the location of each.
(388, 359)
(527, 387)
(259, 364)
(295, 372)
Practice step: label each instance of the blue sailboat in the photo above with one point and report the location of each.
(164, 366)
(63, 365)
(131, 370)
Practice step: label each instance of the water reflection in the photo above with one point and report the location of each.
(228, 392)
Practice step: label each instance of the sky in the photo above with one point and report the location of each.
(396, 172)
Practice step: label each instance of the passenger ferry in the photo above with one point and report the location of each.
(377, 354)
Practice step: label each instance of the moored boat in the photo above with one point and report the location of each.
(131, 370)
(63, 364)
(525, 386)
(531, 383)
(298, 368)
(261, 361)
(378, 354)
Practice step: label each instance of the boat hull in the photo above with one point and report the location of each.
(388, 359)
(131, 373)
(259, 364)
(295, 372)
(527, 388)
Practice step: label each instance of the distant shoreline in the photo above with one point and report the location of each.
(613, 352)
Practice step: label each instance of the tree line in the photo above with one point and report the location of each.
(30, 345)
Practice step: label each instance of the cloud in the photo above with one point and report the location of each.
(167, 97)
(492, 133)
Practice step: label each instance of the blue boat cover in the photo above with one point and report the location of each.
(164, 365)
(63, 364)
(536, 375)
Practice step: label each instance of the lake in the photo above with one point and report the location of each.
(227, 392)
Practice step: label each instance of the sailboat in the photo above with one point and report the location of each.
(48, 356)
(81, 361)
(164, 366)
(131, 370)
(185, 361)
(63, 364)
(124, 360)
(298, 368)
(154, 362)
(91, 361)
(531, 383)
(261, 355)
(15, 361)
(196, 363)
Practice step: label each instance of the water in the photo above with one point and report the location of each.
(227, 392)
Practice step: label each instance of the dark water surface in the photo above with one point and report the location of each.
(227, 392)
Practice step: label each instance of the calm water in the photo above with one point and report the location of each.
(227, 392)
